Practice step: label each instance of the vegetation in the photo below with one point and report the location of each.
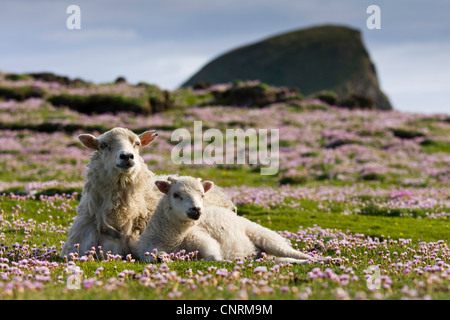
(366, 188)
(314, 59)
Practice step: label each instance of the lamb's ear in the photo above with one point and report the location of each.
(147, 137)
(89, 141)
(207, 185)
(162, 185)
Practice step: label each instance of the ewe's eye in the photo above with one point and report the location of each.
(177, 196)
(137, 144)
(203, 195)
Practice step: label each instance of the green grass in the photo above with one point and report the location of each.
(433, 146)
(374, 223)
(39, 224)
(229, 176)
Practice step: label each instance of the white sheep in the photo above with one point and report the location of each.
(119, 194)
(181, 221)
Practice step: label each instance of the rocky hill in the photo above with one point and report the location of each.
(331, 58)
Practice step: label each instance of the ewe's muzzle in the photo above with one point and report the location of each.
(125, 161)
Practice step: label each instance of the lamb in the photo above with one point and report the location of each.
(118, 196)
(181, 221)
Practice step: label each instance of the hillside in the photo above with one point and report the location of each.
(366, 188)
(320, 143)
(315, 59)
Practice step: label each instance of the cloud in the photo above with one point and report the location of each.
(165, 42)
(415, 75)
(86, 35)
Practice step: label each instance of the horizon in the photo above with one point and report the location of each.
(166, 43)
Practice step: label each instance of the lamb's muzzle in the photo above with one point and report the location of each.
(194, 213)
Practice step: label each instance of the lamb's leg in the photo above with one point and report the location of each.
(272, 243)
(147, 256)
(290, 260)
(207, 247)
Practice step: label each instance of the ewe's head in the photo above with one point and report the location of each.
(185, 196)
(119, 148)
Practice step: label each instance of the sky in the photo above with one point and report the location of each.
(164, 42)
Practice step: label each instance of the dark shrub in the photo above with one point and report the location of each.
(259, 95)
(63, 80)
(120, 80)
(406, 133)
(293, 179)
(357, 101)
(329, 97)
(17, 77)
(102, 103)
(21, 93)
(201, 85)
(161, 103)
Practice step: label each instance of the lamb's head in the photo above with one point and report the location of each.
(185, 195)
(119, 147)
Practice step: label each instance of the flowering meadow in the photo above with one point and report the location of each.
(367, 189)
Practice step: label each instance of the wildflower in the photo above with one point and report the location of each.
(222, 272)
(260, 270)
(284, 288)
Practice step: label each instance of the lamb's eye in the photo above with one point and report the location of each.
(177, 196)
(103, 146)
(203, 195)
(137, 144)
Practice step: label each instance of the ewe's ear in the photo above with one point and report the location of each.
(207, 185)
(89, 141)
(147, 137)
(163, 186)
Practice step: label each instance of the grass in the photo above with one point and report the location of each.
(41, 223)
(375, 223)
(229, 176)
(433, 146)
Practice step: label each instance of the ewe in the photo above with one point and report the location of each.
(116, 198)
(180, 221)
(119, 194)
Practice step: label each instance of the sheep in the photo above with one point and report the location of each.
(119, 194)
(181, 221)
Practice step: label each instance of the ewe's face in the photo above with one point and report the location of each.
(119, 148)
(185, 196)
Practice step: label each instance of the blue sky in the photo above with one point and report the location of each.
(165, 41)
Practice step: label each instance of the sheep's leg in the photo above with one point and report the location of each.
(84, 234)
(290, 260)
(207, 247)
(126, 242)
(111, 244)
(145, 255)
(272, 243)
(110, 231)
